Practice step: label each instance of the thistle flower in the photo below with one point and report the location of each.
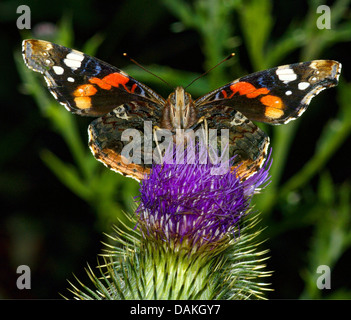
(186, 243)
(189, 207)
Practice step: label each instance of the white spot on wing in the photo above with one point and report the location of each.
(73, 60)
(303, 85)
(288, 93)
(286, 74)
(75, 55)
(58, 70)
(73, 64)
(70, 79)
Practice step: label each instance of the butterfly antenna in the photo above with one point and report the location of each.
(219, 63)
(148, 71)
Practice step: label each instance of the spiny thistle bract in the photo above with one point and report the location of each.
(194, 238)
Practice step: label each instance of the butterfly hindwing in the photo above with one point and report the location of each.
(247, 144)
(120, 141)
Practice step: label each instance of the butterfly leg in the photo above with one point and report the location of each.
(154, 132)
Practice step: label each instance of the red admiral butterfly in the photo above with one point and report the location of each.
(88, 86)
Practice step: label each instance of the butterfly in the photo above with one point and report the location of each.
(127, 108)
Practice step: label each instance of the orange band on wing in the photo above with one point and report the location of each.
(133, 88)
(85, 90)
(83, 102)
(257, 92)
(112, 80)
(245, 88)
(242, 88)
(82, 96)
(101, 83)
(115, 79)
(117, 162)
(274, 106)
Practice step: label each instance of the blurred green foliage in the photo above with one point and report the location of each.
(306, 208)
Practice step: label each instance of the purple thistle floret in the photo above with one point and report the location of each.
(186, 205)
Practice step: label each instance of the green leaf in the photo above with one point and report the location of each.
(334, 134)
(256, 24)
(92, 45)
(326, 189)
(67, 174)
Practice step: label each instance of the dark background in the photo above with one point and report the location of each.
(54, 231)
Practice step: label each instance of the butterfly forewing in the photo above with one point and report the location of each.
(274, 96)
(83, 84)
